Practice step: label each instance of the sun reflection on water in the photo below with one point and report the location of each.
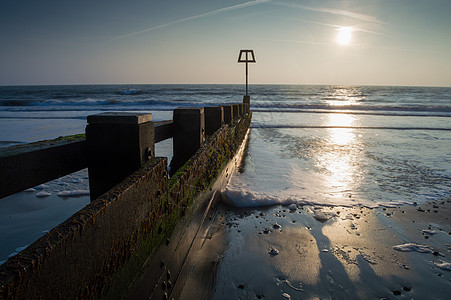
(341, 136)
(339, 158)
(345, 96)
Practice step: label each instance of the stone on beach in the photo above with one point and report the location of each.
(273, 251)
(322, 216)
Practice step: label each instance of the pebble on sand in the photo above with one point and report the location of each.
(287, 296)
(273, 251)
(292, 206)
(322, 217)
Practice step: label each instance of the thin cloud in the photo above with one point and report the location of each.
(207, 14)
(346, 13)
(300, 41)
(354, 28)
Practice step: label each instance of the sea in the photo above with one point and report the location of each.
(366, 146)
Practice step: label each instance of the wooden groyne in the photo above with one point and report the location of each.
(140, 221)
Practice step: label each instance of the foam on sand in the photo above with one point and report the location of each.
(444, 265)
(245, 198)
(429, 232)
(41, 187)
(237, 196)
(74, 193)
(43, 194)
(411, 247)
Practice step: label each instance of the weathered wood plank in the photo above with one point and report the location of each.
(26, 166)
(163, 130)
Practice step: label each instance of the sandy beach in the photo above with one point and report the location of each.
(305, 252)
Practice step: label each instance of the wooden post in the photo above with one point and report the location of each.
(247, 107)
(236, 111)
(189, 134)
(118, 145)
(243, 109)
(247, 99)
(228, 114)
(214, 118)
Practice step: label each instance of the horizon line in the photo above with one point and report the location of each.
(250, 85)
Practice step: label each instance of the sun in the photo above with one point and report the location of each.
(344, 35)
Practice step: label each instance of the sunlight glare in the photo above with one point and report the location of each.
(338, 163)
(341, 136)
(344, 35)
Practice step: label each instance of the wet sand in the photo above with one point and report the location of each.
(324, 253)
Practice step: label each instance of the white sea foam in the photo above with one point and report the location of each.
(241, 197)
(411, 247)
(244, 198)
(274, 175)
(443, 265)
(41, 187)
(429, 232)
(59, 182)
(76, 180)
(43, 194)
(74, 193)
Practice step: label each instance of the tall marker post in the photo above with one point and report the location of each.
(246, 56)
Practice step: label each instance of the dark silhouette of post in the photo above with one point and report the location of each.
(246, 56)
(188, 134)
(118, 143)
(214, 118)
(228, 114)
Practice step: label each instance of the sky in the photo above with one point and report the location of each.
(366, 42)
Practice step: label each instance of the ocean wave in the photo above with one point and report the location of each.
(86, 102)
(275, 107)
(259, 106)
(130, 92)
(357, 112)
(269, 126)
(18, 102)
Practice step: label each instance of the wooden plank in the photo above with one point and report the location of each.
(26, 166)
(163, 130)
